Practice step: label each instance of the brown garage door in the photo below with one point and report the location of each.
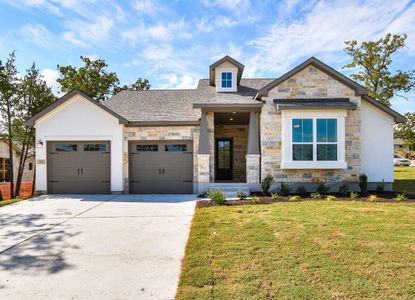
(161, 167)
(79, 167)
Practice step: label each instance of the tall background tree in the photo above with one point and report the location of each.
(94, 79)
(373, 60)
(9, 96)
(406, 131)
(35, 95)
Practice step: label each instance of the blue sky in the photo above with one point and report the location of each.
(172, 43)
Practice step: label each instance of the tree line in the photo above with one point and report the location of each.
(21, 97)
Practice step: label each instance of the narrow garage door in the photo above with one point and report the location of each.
(79, 167)
(161, 167)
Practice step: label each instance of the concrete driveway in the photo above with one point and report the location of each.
(93, 247)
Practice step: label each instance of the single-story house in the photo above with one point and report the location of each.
(312, 123)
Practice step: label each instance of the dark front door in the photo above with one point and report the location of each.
(224, 159)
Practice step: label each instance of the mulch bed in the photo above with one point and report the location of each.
(384, 197)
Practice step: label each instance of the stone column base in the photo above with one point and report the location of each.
(253, 168)
(202, 172)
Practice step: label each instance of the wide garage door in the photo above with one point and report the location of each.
(161, 167)
(79, 167)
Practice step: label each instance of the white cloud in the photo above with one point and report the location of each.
(158, 32)
(38, 35)
(145, 6)
(50, 77)
(233, 5)
(175, 81)
(70, 37)
(320, 32)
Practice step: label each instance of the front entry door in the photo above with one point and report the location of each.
(224, 159)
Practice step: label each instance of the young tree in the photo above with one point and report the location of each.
(9, 95)
(93, 79)
(406, 131)
(373, 60)
(35, 96)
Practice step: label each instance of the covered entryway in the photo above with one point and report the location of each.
(79, 167)
(161, 167)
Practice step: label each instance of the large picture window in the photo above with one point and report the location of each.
(314, 139)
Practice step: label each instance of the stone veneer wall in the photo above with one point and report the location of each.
(308, 83)
(239, 134)
(160, 133)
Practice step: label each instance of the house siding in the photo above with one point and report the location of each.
(309, 83)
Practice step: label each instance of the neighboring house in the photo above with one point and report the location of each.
(312, 123)
(28, 172)
(399, 144)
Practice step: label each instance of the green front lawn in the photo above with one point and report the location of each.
(404, 180)
(301, 250)
(10, 201)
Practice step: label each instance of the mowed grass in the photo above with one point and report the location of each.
(10, 201)
(301, 250)
(404, 180)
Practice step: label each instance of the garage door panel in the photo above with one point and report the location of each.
(161, 167)
(79, 167)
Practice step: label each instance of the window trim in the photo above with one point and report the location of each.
(226, 80)
(287, 161)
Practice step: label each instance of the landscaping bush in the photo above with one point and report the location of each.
(284, 189)
(322, 188)
(380, 186)
(354, 195)
(343, 189)
(363, 183)
(331, 198)
(373, 198)
(401, 197)
(275, 196)
(266, 184)
(301, 190)
(241, 194)
(217, 196)
(255, 199)
(315, 195)
(295, 198)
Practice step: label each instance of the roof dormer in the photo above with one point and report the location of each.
(226, 74)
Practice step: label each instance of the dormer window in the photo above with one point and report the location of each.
(226, 80)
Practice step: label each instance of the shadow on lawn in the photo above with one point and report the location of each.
(34, 246)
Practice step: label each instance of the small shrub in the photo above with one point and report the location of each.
(354, 195)
(241, 194)
(331, 198)
(266, 184)
(295, 198)
(217, 196)
(316, 195)
(255, 199)
(380, 186)
(284, 189)
(373, 198)
(275, 196)
(363, 183)
(401, 197)
(343, 189)
(301, 190)
(322, 188)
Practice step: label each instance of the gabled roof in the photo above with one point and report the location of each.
(396, 116)
(67, 97)
(360, 90)
(229, 59)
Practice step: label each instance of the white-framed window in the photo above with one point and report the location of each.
(226, 80)
(313, 140)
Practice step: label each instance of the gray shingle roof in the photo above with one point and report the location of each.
(320, 103)
(177, 105)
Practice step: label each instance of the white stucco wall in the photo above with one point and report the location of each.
(377, 143)
(79, 120)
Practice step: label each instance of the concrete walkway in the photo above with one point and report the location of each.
(93, 247)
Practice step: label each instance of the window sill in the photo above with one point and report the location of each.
(314, 165)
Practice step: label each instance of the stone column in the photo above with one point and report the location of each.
(253, 156)
(203, 156)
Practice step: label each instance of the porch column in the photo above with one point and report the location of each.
(253, 155)
(203, 156)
